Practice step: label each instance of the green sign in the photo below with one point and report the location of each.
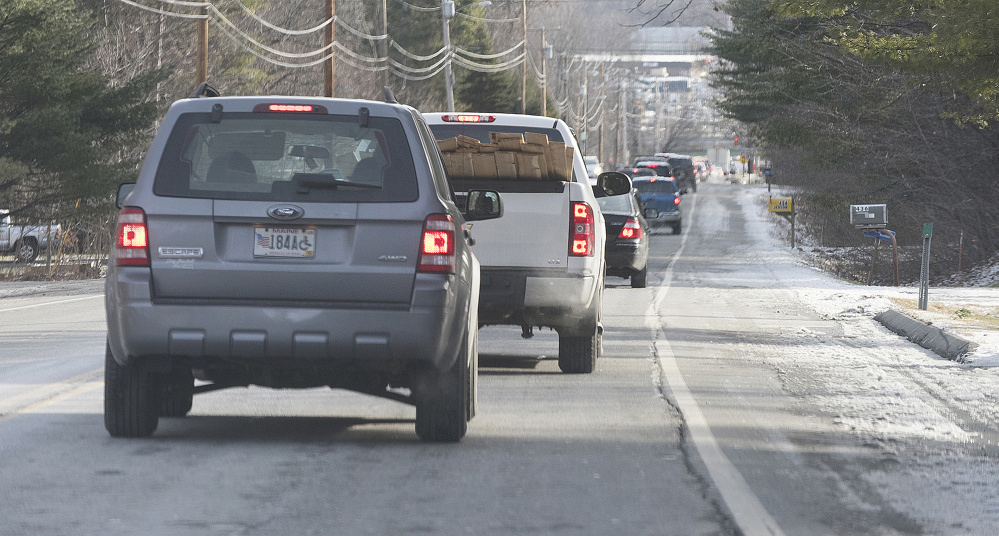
(928, 230)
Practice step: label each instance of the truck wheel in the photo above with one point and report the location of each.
(176, 393)
(676, 228)
(130, 401)
(640, 279)
(578, 355)
(442, 401)
(26, 250)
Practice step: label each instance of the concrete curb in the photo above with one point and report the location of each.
(932, 338)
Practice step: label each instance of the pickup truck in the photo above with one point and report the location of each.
(24, 241)
(543, 260)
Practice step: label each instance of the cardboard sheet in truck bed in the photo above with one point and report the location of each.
(508, 156)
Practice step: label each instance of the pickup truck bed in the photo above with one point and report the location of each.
(543, 260)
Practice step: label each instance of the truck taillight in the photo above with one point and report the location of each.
(632, 230)
(468, 118)
(581, 243)
(437, 248)
(132, 246)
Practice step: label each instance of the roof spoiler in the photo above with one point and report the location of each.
(389, 96)
(205, 90)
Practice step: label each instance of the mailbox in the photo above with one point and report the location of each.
(869, 216)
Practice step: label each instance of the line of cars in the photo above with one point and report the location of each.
(297, 242)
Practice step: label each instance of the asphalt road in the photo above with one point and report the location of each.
(690, 426)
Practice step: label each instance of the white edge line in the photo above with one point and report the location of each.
(52, 303)
(748, 512)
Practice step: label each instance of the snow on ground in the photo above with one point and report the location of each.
(934, 419)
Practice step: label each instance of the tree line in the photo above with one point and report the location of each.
(871, 102)
(84, 82)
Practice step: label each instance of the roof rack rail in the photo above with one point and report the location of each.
(205, 90)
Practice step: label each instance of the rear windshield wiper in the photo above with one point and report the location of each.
(305, 181)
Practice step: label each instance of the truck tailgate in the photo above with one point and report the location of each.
(533, 232)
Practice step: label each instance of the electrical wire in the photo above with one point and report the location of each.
(163, 12)
(483, 19)
(489, 56)
(457, 55)
(404, 52)
(407, 5)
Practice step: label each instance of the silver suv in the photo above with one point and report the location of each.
(293, 242)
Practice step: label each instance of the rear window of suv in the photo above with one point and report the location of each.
(287, 157)
(655, 187)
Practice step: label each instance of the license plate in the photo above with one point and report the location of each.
(284, 242)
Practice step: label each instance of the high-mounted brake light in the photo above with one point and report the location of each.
(631, 230)
(468, 118)
(283, 107)
(581, 243)
(437, 248)
(132, 247)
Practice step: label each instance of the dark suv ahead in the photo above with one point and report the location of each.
(292, 242)
(683, 170)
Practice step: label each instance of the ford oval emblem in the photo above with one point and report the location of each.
(285, 212)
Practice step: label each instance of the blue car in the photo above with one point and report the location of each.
(662, 194)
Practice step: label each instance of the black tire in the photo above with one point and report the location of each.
(26, 250)
(578, 355)
(641, 278)
(176, 393)
(130, 401)
(443, 400)
(676, 228)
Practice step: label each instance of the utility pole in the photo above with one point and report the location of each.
(384, 45)
(545, 52)
(330, 35)
(201, 69)
(603, 97)
(447, 11)
(624, 122)
(523, 71)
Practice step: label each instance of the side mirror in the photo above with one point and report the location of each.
(614, 183)
(123, 190)
(651, 213)
(483, 205)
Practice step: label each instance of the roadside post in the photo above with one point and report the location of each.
(924, 269)
(784, 207)
(873, 221)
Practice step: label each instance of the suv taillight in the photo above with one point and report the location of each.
(632, 230)
(132, 243)
(581, 244)
(437, 248)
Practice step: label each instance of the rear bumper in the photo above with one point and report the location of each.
(427, 330)
(626, 258)
(665, 217)
(534, 297)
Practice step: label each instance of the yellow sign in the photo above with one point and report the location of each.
(780, 204)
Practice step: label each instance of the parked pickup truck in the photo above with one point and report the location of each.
(543, 260)
(24, 241)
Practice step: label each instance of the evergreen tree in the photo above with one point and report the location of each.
(851, 111)
(66, 133)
